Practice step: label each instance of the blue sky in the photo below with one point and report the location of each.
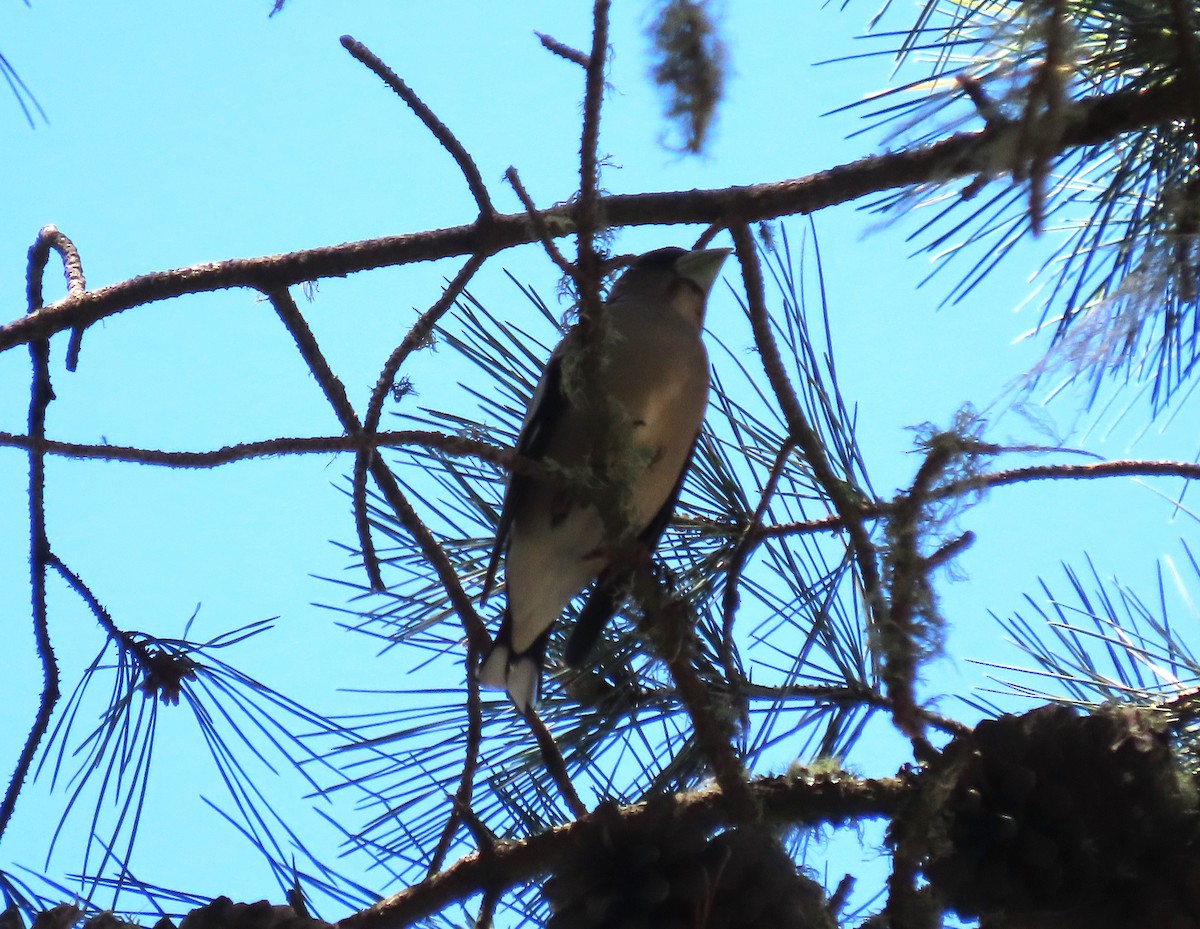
(180, 134)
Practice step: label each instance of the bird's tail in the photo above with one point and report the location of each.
(520, 673)
(597, 611)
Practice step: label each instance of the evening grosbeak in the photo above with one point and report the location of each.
(655, 368)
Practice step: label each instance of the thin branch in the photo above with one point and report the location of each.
(103, 617)
(460, 446)
(562, 50)
(439, 129)
(384, 478)
(806, 800)
(343, 409)
(415, 338)
(362, 522)
(831, 523)
(1120, 468)
(902, 630)
(985, 106)
(737, 563)
(72, 264)
(539, 223)
(848, 504)
(553, 760)
(40, 394)
(669, 622)
(461, 804)
(587, 210)
(1089, 122)
(841, 695)
(455, 445)
(487, 908)
(435, 555)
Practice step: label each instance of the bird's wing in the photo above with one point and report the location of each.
(602, 603)
(546, 408)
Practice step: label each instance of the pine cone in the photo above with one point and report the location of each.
(756, 884)
(629, 872)
(1056, 819)
(223, 913)
(660, 871)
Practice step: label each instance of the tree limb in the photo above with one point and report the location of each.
(1088, 122)
(797, 801)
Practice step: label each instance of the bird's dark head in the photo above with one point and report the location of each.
(671, 276)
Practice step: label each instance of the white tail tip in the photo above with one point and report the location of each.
(499, 671)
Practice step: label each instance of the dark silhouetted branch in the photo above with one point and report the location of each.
(1088, 122)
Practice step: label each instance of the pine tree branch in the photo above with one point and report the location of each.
(670, 623)
(460, 808)
(846, 499)
(552, 758)
(1189, 470)
(40, 394)
(563, 50)
(343, 409)
(440, 131)
(736, 565)
(1090, 121)
(910, 609)
(455, 445)
(588, 215)
(806, 800)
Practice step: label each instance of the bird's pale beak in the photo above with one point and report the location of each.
(702, 266)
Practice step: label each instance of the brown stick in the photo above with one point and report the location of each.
(1090, 121)
(798, 801)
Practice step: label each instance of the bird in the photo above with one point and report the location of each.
(654, 368)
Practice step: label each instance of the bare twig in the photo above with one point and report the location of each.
(416, 337)
(384, 478)
(670, 623)
(76, 285)
(421, 330)
(841, 695)
(904, 627)
(563, 50)
(1133, 467)
(737, 563)
(103, 617)
(1088, 122)
(458, 446)
(1120, 468)
(832, 523)
(72, 263)
(477, 636)
(553, 760)
(362, 521)
(335, 393)
(985, 106)
(713, 230)
(487, 908)
(40, 394)
(461, 805)
(849, 506)
(587, 210)
(539, 223)
(950, 550)
(439, 129)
